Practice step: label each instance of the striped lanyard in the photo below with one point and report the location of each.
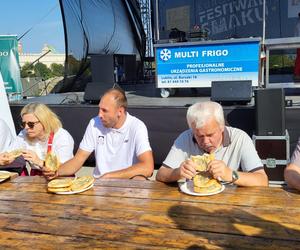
(50, 140)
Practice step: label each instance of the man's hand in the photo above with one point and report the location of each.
(187, 169)
(220, 171)
(49, 174)
(105, 176)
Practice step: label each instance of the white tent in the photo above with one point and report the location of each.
(5, 109)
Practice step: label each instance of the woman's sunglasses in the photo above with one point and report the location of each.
(29, 124)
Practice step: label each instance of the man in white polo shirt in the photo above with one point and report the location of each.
(120, 142)
(236, 159)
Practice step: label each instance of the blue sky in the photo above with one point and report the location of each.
(17, 16)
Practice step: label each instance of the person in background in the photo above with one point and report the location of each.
(120, 142)
(292, 171)
(236, 159)
(42, 133)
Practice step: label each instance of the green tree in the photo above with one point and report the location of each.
(41, 70)
(57, 69)
(27, 70)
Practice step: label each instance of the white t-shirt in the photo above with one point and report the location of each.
(115, 149)
(6, 138)
(62, 145)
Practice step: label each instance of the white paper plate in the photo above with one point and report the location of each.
(4, 172)
(188, 187)
(75, 192)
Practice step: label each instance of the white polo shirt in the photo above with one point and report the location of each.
(115, 149)
(237, 150)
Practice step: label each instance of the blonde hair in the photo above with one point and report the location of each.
(44, 114)
(199, 113)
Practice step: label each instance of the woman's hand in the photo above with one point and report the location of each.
(32, 157)
(5, 159)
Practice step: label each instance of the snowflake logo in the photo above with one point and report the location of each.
(165, 55)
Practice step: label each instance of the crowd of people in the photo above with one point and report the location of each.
(122, 149)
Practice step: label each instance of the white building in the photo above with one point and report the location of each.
(50, 56)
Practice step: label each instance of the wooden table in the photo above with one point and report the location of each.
(125, 214)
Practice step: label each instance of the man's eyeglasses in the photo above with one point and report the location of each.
(29, 124)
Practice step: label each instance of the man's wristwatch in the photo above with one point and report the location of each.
(235, 176)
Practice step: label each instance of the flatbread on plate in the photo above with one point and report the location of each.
(82, 182)
(60, 189)
(4, 174)
(203, 181)
(60, 183)
(69, 184)
(211, 186)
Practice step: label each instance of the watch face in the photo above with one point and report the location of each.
(235, 175)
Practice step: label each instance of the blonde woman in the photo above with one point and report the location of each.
(42, 132)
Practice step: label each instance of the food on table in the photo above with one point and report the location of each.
(4, 174)
(203, 181)
(60, 185)
(81, 183)
(69, 184)
(51, 162)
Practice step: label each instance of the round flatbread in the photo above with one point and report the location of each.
(4, 174)
(62, 189)
(210, 186)
(51, 162)
(15, 153)
(60, 183)
(202, 161)
(82, 182)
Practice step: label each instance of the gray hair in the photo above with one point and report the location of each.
(199, 113)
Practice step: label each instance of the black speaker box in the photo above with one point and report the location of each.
(113, 68)
(270, 111)
(102, 68)
(94, 90)
(231, 92)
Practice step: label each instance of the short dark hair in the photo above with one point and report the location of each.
(119, 96)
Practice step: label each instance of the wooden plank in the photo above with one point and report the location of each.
(230, 196)
(136, 234)
(222, 220)
(243, 217)
(266, 192)
(24, 240)
(56, 204)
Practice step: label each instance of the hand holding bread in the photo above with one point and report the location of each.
(203, 180)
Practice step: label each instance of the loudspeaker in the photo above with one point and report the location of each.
(231, 92)
(113, 68)
(103, 68)
(94, 90)
(270, 111)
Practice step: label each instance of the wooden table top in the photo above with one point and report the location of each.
(132, 214)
